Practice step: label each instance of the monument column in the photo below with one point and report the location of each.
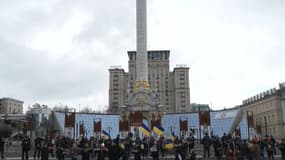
(142, 99)
(141, 59)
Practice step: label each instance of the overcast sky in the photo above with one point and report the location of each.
(59, 51)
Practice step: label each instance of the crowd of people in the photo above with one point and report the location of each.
(112, 149)
(225, 147)
(232, 148)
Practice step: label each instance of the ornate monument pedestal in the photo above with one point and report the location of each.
(142, 108)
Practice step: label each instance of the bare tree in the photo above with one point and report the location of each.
(87, 110)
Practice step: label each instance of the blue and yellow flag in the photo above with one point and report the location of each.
(172, 138)
(158, 130)
(145, 130)
(169, 145)
(106, 135)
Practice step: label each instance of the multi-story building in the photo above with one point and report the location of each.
(268, 111)
(11, 106)
(118, 88)
(171, 88)
(199, 107)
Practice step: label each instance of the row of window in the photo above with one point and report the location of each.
(263, 107)
(268, 119)
(10, 110)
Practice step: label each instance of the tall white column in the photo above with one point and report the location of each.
(141, 57)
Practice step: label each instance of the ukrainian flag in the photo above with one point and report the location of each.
(169, 145)
(106, 135)
(145, 130)
(158, 130)
(172, 138)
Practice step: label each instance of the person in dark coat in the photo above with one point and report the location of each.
(145, 147)
(102, 152)
(154, 149)
(224, 143)
(114, 150)
(73, 151)
(137, 149)
(38, 146)
(281, 147)
(206, 141)
(273, 142)
(50, 145)
(218, 148)
(269, 148)
(2, 145)
(262, 150)
(26, 146)
(191, 142)
(44, 152)
(243, 149)
(162, 142)
(60, 152)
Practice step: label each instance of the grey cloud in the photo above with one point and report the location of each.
(83, 72)
(103, 41)
(41, 77)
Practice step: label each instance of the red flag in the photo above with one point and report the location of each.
(183, 125)
(204, 118)
(97, 126)
(136, 118)
(124, 125)
(69, 120)
(81, 128)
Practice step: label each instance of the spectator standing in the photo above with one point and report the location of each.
(38, 146)
(273, 142)
(255, 149)
(206, 141)
(281, 147)
(154, 149)
(2, 147)
(26, 146)
(44, 152)
(269, 148)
